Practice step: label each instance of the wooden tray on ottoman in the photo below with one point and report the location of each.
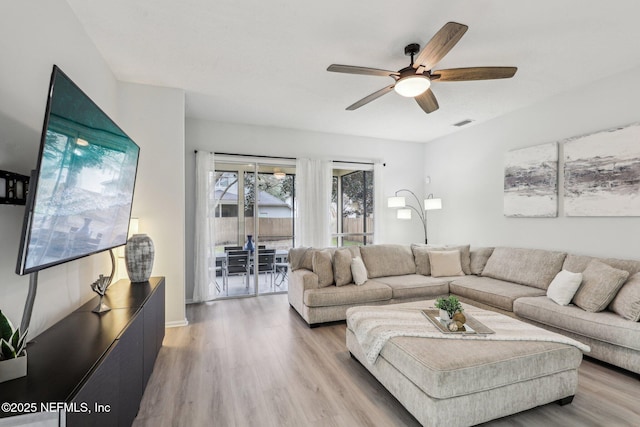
(472, 325)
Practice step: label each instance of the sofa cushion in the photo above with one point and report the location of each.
(493, 292)
(388, 260)
(371, 291)
(577, 263)
(478, 258)
(600, 284)
(342, 264)
(358, 271)
(445, 263)
(421, 256)
(531, 267)
(627, 301)
(323, 267)
(603, 326)
(564, 286)
(416, 285)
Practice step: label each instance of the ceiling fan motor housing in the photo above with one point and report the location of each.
(411, 49)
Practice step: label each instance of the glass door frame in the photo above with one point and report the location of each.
(340, 170)
(242, 165)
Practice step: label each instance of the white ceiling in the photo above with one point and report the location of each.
(264, 62)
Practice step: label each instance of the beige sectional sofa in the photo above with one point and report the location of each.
(392, 278)
(509, 280)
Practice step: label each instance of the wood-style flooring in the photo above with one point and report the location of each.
(255, 362)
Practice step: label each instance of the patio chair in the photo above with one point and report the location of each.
(265, 262)
(281, 272)
(238, 263)
(219, 269)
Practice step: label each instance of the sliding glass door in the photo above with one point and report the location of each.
(253, 226)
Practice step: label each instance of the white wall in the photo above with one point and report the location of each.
(154, 118)
(403, 159)
(467, 169)
(35, 35)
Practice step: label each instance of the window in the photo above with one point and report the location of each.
(352, 207)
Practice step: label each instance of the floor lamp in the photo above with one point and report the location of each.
(404, 209)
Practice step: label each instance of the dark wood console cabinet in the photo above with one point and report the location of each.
(95, 367)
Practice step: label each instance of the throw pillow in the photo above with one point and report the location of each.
(307, 259)
(296, 257)
(465, 256)
(600, 284)
(445, 263)
(564, 286)
(421, 257)
(478, 258)
(627, 302)
(359, 271)
(323, 267)
(342, 267)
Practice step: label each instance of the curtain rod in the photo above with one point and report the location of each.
(285, 158)
(249, 155)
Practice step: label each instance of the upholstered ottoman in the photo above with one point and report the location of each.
(460, 382)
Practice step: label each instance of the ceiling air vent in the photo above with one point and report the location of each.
(463, 123)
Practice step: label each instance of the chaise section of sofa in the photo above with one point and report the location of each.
(612, 338)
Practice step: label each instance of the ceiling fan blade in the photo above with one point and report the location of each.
(473, 73)
(439, 45)
(350, 69)
(368, 99)
(427, 101)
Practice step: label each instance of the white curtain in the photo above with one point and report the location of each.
(379, 202)
(205, 242)
(313, 201)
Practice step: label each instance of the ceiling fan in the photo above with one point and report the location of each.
(415, 80)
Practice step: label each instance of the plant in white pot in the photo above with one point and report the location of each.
(449, 307)
(13, 352)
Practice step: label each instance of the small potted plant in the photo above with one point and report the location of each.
(13, 353)
(449, 307)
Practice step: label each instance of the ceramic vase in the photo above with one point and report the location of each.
(444, 316)
(249, 245)
(13, 368)
(138, 254)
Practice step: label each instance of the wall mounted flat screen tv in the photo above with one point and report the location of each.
(81, 192)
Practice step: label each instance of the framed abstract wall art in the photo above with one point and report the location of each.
(531, 181)
(602, 173)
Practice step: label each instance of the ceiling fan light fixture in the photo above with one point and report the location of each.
(278, 174)
(412, 85)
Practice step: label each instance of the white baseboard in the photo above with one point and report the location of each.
(177, 323)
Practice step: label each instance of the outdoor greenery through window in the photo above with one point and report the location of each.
(352, 207)
(236, 208)
(253, 203)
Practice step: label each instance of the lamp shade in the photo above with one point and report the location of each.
(396, 202)
(404, 214)
(431, 204)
